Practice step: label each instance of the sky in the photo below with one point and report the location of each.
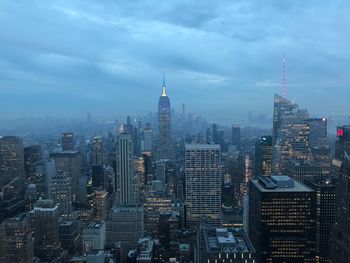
(221, 58)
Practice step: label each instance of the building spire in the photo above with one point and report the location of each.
(163, 87)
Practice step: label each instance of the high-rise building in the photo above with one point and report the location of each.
(263, 156)
(342, 144)
(318, 132)
(340, 245)
(301, 170)
(46, 230)
(70, 235)
(203, 184)
(282, 220)
(236, 136)
(71, 163)
(16, 240)
(94, 236)
(325, 205)
(147, 139)
(97, 162)
(101, 205)
(32, 155)
(11, 159)
(127, 192)
(164, 125)
(67, 141)
(61, 192)
(290, 133)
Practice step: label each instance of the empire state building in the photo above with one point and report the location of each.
(164, 125)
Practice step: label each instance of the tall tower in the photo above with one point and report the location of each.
(203, 184)
(125, 170)
(97, 162)
(164, 125)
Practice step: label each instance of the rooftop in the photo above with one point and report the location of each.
(227, 240)
(202, 146)
(279, 183)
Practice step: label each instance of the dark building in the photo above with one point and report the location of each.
(46, 230)
(16, 241)
(282, 220)
(325, 203)
(263, 156)
(301, 170)
(67, 141)
(219, 245)
(342, 143)
(97, 163)
(340, 241)
(236, 136)
(164, 126)
(32, 155)
(70, 236)
(318, 132)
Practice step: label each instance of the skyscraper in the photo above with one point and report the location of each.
(318, 132)
(282, 220)
(290, 133)
(67, 140)
(164, 125)
(236, 136)
(61, 192)
(263, 156)
(203, 184)
(97, 162)
(46, 230)
(126, 187)
(340, 245)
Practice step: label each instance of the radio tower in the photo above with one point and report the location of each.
(284, 90)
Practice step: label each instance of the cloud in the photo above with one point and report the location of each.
(224, 53)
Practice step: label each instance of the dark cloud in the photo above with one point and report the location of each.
(107, 57)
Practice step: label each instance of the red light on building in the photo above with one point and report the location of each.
(340, 132)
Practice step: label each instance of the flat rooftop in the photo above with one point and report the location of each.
(279, 183)
(227, 240)
(202, 146)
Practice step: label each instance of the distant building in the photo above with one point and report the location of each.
(147, 139)
(61, 192)
(282, 220)
(236, 136)
(67, 141)
(97, 163)
(16, 241)
(318, 132)
(203, 184)
(302, 170)
(290, 133)
(219, 245)
(71, 163)
(342, 144)
(164, 126)
(263, 156)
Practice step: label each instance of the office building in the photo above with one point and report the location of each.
(70, 235)
(236, 136)
(32, 155)
(290, 133)
(94, 236)
(318, 132)
(71, 163)
(164, 125)
(342, 144)
(67, 141)
(61, 192)
(147, 139)
(126, 186)
(16, 241)
(203, 184)
(340, 245)
(97, 163)
(101, 204)
(46, 230)
(219, 245)
(325, 188)
(263, 156)
(301, 170)
(282, 220)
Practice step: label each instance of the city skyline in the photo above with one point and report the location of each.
(209, 65)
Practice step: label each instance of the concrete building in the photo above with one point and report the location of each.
(94, 236)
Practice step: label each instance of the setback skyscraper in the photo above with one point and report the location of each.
(164, 125)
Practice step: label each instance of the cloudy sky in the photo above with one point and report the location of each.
(221, 58)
